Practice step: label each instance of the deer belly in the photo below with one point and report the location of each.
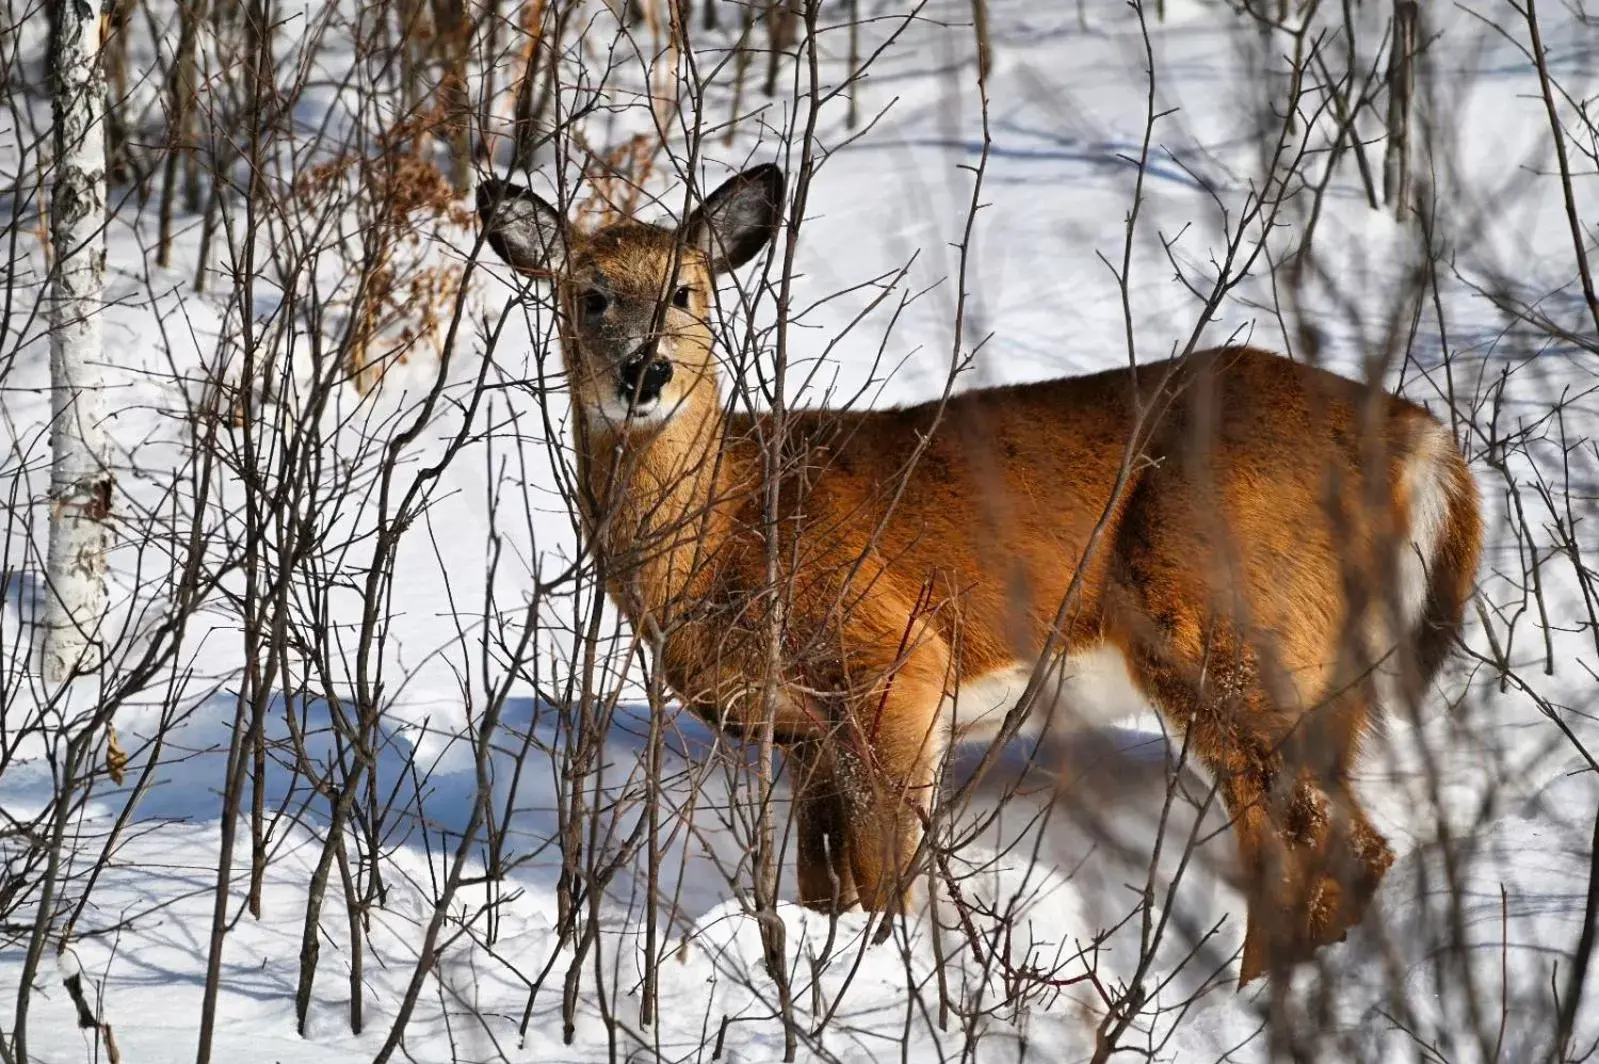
(1089, 689)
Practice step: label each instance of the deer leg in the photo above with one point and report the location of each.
(1271, 717)
(821, 825)
(1310, 873)
(1294, 853)
(1340, 858)
(1261, 863)
(1310, 856)
(887, 769)
(1351, 869)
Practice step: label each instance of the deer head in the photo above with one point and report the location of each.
(633, 299)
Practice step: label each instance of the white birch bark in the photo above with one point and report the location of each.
(80, 482)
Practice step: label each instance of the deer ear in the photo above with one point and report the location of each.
(522, 229)
(737, 220)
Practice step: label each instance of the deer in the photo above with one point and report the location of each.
(1266, 553)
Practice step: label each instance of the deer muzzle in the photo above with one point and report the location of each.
(641, 377)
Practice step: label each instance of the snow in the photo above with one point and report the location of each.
(1488, 804)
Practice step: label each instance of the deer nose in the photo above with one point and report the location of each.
(643, 376)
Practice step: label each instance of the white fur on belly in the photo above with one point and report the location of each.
(1089, 689)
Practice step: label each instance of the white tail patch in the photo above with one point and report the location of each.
(1427, 485)
(1089, 689)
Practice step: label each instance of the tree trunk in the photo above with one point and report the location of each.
(452, 38)
(115, 63)
(780, 25)
(180, 127)
(80, 482)
(1401, 87)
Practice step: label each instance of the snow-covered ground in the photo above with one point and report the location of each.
(1484, 791)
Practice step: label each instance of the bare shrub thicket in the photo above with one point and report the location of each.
(359, 638)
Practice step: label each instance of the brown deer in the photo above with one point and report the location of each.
(1260, 549)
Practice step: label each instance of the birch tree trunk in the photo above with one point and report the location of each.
(80, 482)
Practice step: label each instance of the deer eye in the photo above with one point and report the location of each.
(680, 297)
(594, 303)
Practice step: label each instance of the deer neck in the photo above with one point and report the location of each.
(655, 502)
